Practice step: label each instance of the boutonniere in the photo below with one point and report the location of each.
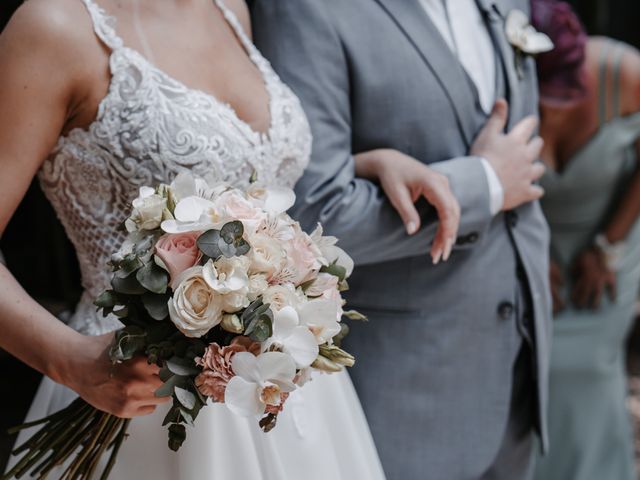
(524, 38)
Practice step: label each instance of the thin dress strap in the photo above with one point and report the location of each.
(232, 19)
(616, 87)
(103, 25)
(603, 84)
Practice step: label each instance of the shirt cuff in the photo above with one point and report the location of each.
(496, 192)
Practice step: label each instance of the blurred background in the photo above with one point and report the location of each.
(40, 256)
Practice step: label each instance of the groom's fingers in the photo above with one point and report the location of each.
(498, 118)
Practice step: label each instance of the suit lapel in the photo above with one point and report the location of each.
(495, 12)
(426, 39)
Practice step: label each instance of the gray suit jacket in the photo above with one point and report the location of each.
(434, 363)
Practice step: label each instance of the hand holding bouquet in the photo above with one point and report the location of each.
(228, 296)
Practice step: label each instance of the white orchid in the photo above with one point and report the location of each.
(228, 277)
(523, 36)
(260, 382)
(322, 317)
(273, 200)
(292, 338)
(193, 214)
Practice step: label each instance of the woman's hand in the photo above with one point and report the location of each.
(404, 180)
(593, 279)
(557, 284)
(125, 390)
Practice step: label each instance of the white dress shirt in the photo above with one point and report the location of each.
(461, 25)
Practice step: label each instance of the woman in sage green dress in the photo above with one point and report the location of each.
(590, 121)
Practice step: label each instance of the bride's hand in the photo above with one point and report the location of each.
(125, 390)
(404, 180)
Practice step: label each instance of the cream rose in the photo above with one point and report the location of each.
(266, 254)
(195, 308)
(229, 279)
(148, 210)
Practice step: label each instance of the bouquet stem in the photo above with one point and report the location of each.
(79, 429)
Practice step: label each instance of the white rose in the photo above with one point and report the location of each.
(228, 277)
(147, 212)
(266, 254)
(194, 308)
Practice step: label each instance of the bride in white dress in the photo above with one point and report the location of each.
(95, 118)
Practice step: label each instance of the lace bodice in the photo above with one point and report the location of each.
(149, 128)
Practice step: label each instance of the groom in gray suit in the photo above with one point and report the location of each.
(452, 367)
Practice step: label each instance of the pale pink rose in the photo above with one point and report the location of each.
(236, 207)
(217, 370)
(178, 252)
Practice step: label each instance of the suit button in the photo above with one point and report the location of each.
(505, 310)
(472, 237)
(512, 218)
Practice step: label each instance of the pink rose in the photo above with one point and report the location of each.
(217, 370)
(178, 252)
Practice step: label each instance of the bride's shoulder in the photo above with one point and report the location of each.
(241, 11)
(49, 27)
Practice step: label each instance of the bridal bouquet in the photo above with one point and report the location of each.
(224, 291)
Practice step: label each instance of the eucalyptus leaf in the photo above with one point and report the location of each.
(106, 299)
(128, 342)
(186, 415)
(130, 264)
(173, 416)
(166, 390)
(156, 305)
(127, 285)
(182, 367)
(242, 248)
(335, 270)
(208, 243)
(185, 397)
(153, 278)
(227, 249)
(232, 232)
(177, 436)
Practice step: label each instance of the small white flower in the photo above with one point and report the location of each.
(194, 308)
(259, 382)
(322, 317)
(331, 253)
(257, 286)
(193, 214)
(292, 338)
(280, 296)
(322, 283)
(523, 36)
(228, 277)
(147, 213)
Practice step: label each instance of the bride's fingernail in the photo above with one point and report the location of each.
(437, 257)
(411, 228)
(447, 250)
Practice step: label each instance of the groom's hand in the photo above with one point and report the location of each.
(513, 156)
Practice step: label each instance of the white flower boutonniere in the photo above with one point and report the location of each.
(524, 38)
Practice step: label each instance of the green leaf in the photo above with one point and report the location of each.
(127, 285)
(227, 249)
(185, 397)
(335, 270)
(156, 305)
(173, 416)
(186, 416)
(182, 367)
(242, 248)
(177, 436)
(106, 299)
(208, 243)
(355, 315)
(130, 264)
(153, 278)
(232, 232)
(261, 327)
(128, 342)
(166, 390)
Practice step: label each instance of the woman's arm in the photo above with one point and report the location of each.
(42, 65)
(404, 180)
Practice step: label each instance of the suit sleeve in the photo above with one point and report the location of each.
(301, 42)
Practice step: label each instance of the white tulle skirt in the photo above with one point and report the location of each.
(321, 435)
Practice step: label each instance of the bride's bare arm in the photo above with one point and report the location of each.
(405, 180)
(43, 69)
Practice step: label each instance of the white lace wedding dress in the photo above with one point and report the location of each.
(149, 128)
